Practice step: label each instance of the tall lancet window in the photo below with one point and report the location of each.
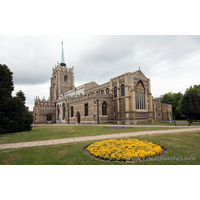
(115, 92)
(122, 90)
(140, 96)
(65, 78)
(104, 108)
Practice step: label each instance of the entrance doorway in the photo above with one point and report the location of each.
(78, 118)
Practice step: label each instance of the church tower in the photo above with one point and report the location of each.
(62, 79)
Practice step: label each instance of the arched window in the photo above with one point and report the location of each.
(65, 78)
(64, 113)
(107, 91)
(86, 109)
(58, 113)
(102, 91)
(104, 108)
(72, 111)
(140, 96)
(122, 90)
(115, 92)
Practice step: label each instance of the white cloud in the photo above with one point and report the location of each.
(171, 62)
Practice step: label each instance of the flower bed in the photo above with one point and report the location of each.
(124, 149)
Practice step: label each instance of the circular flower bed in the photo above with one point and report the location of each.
(124, 149)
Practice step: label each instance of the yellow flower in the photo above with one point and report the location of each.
(124, 149)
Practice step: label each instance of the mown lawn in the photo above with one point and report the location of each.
(182, 149)
(48, 132)
(167, 123)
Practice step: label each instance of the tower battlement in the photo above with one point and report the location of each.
(38, 100)
(60, 68)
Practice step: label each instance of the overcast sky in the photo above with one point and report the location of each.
(171, 62)
(101, 42)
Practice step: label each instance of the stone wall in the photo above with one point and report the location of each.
(62, 81)
(121, 109)
(161, 112)
(94, 109)
(43, 108)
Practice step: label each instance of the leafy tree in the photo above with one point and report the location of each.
(190, 106)
(195, 90)
(13, 114)
(175, 100)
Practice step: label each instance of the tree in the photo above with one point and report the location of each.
(195, 90)
(21, 95)
(6, 83)
(190, 106)
(13, 114)
(175, 100)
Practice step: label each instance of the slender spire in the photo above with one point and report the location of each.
(62, 57)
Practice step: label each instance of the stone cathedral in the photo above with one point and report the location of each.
(125, 99)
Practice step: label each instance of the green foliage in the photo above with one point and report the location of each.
(6, 83)
(190, 105)
(195, 89)
(21, 95)
(13, 114)
(175, 100)
(191, 102)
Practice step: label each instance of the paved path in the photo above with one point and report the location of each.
(90, 138)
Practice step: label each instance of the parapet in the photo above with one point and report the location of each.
(58, 67)
(38, 100)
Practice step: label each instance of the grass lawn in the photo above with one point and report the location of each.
(181, 149)
(46, 132)
(167, 123)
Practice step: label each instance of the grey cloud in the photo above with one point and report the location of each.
(169, 61)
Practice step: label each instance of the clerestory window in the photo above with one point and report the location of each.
(107, 91)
